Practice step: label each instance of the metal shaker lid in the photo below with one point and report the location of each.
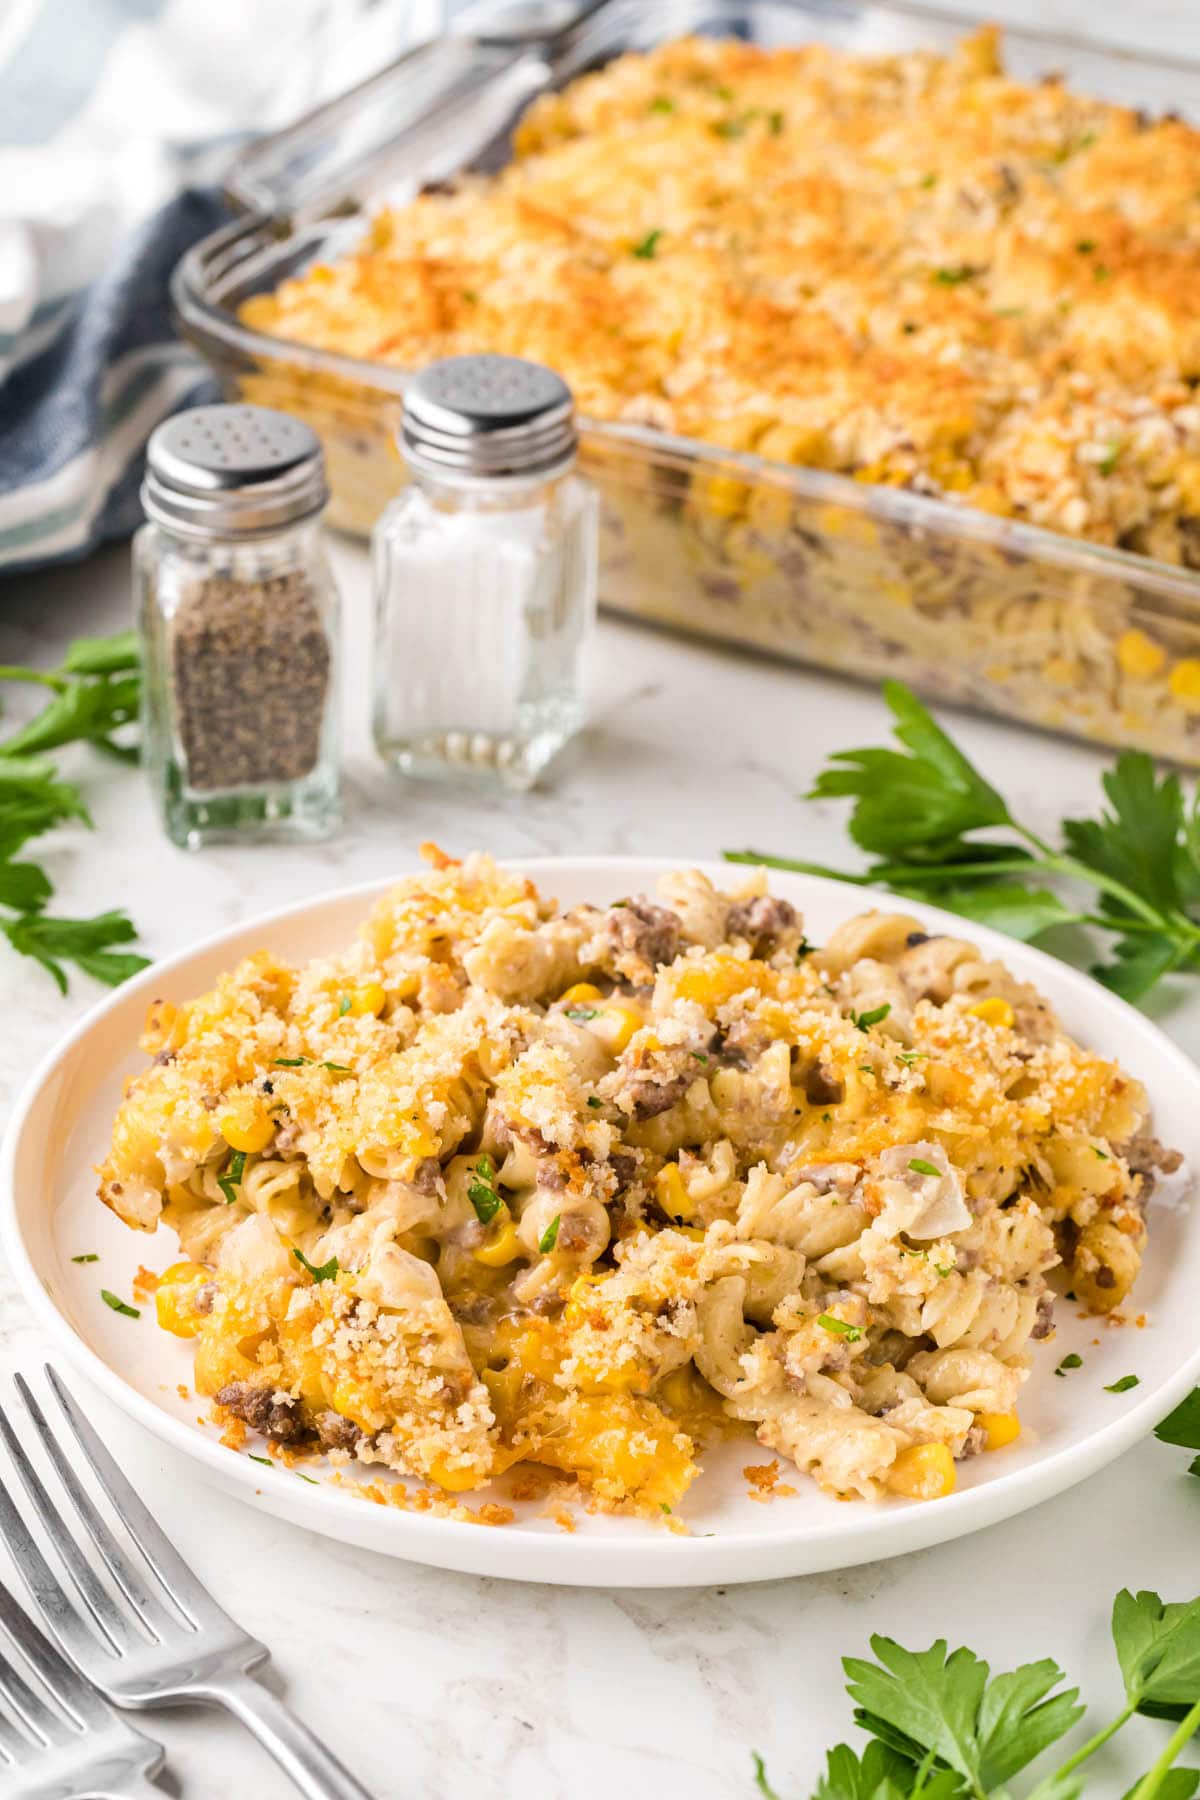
(233, 471)
(488, 417)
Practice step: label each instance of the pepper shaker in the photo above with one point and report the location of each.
(239, 619)
(485, 576)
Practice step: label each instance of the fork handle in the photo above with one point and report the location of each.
(299, 1752)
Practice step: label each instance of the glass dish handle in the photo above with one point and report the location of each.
(419, 117)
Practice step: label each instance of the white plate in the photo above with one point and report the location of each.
(1072, 1426)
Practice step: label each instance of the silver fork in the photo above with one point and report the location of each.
(79, 1747)
(165, 1639)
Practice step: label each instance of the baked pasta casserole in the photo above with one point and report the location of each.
(503, 1184)
(911, 270)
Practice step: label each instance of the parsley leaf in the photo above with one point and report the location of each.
(325, 1271)
(876, 1016)
(89, 1256)
(1158, 1649)
(840, 1327)
(1123, 1384)
(549, 1237)
(1071, 1361)
(85, 942)
(481, 1189)
(1183, 1427)
(987, 1731)
(232, 1179)
(120, 1306)
(647, 248)
(919, 1166)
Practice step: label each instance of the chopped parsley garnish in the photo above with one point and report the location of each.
(291, 1062)
(1124, 1384)
(928, 181)
(1100, 1155)
(344, 1005)
(481, 1189)
(338, 1068)
(232, 1178)
(663, 1507)
(264, 1460)
(944, 1270)
(660, 104)
(1100, 272)
(775, 123)
(1085, 246)
(318, 1271)
(955, 277)
(88, 1256)
(699, 1056)
(1070, 1361)
(595, 1102)
(304, 1477)
(1111, 458)
(549, 1237)
(866, 1068)
(919, 1166)
(581, 1014)
(865, 1020)
(909, 1057)
(120, 1306)
(840, 1327)
(803, 949)
(645, 251)
(826, 1117)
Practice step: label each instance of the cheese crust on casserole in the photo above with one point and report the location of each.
(910, 268)
(500, 1183)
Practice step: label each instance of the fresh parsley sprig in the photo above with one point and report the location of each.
(939, 831)
(93, 695)
(942, 1727)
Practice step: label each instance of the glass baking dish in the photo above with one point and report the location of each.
(816, 567)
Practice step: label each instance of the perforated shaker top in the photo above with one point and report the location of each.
(237, 471)
(488, 416)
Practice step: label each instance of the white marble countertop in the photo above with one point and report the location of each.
(434, 1684)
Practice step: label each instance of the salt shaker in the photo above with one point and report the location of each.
(239, 619)
(485, 576)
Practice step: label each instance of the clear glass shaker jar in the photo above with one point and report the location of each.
(485, 576)
(239, 618)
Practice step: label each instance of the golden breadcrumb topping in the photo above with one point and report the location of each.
(501, 1184)
(911, 268)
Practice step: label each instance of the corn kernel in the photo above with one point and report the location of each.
(502, 1247)
(455, 1481)
(246, 1127)
(922, 1472)
(1185, 679)
(1139, 656)
(616, 1023)
(174, 1298)
(672, 1195)
(998, 1429)
(993, 1011)
(368, 1000)
(678, 1389)
(579, 993)
(715, 979)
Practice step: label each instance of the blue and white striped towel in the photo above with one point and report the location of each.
(115, 119)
